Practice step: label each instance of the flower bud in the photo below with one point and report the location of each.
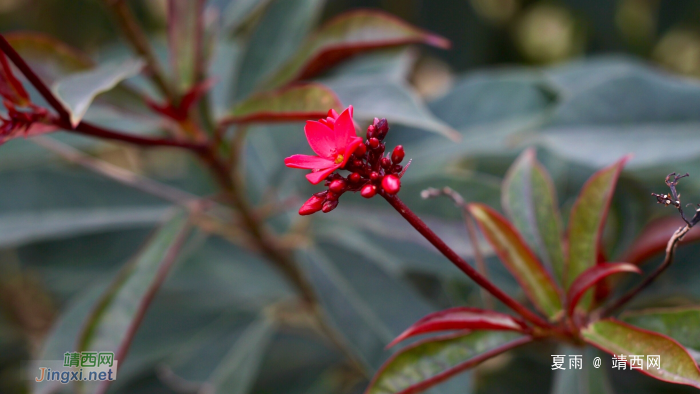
(355, 177)
(373, 143)
(385, 163)
(374, 176)
(381, 129)
(360, 150)
(329, 206)
(368, 190)
(391, 184)
(312, 205)
(370, 131)
(398, 154)
(396, 168)
(337, 186)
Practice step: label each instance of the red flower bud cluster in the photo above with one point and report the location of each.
(372, 171)
(30, 121)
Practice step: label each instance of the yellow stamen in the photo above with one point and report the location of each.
(339, 159)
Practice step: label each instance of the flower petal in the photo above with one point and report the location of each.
(318, 176)
(332, 113)
(321, 138)
(307, 162)
(344, 128)
(350, 148)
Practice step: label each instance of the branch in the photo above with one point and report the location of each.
(100, 132)
(85, 127)
(670, 252)
(161, 190)
(138, 40)
(471, 230)
(451, 255)
(34, 80)
(268, 244)
(674, 198)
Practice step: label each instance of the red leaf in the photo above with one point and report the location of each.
(591, 276)
(655, 236)
(347, 35)
(31, 131)
(462, 318)
(519, 259)
(11, 88)
(185, 36)
(180, 112)
(426, 363)
(614, 337)
(587, 221)
(297, 102)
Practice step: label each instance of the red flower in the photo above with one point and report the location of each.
(333, 139)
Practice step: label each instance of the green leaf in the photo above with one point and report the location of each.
(393, 64)
(615, 337)
(494, 96)
(586, 381)
(237, 12)
(346, 35)
(282, 28)
(530, 200)
(380, 97)
(679, 323)
(299, 102)
(519, 259)
(64, 332)
(429, 362)
(366, 305)
(60, 203)
(587, 221)
(632, 106)
(237, 371)
(229, 274)
(76, 91)
(112, 325)
(19, 228)
(224, 67)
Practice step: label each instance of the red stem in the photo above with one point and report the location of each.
(34, 79)
(99, 132)
(451, 255)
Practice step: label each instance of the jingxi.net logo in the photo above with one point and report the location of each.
(77, 367)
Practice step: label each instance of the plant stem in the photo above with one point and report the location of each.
(668, 259)
(34, 79)
(451, 255)
(111, 171)
(138, 40)
(262, 238)
(268, 244)
(85, 127)
(100, 132)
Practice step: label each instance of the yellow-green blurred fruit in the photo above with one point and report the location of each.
(547, 33)
(679, 51)
(496, 11)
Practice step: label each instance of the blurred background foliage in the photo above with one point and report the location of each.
(483, 32)
(584, 80)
